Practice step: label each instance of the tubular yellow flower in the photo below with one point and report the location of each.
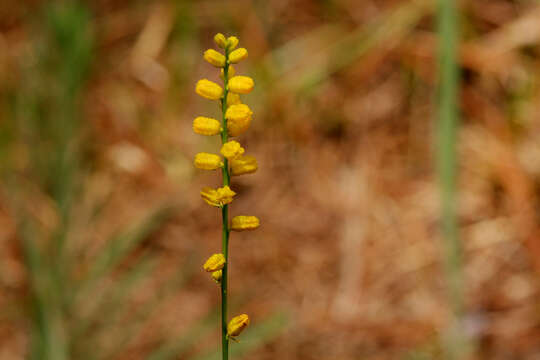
(208, 89)
(232, 42)
(243, 165)
(241, 84)
(214, 263)
(237, 325)
(216, 275)
(230, 73)
(233, 99)
(238, 55)
(220, 40)
(244, 222)
(238, 112)
(217, 197)
(206, 161)
(214, 58)
(232, 149)
(239, 118)
(206, 126)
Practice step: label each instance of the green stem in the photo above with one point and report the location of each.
(225, 217)
(449, 77)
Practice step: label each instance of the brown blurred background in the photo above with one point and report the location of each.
(103, 232)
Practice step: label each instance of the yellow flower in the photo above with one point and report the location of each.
(206, 161)
(233, 99)
(239, 118)
(243, 222)
(237, 325)
(230, 73)
(216, 275)
(206, 126)
(232, 42)
(214, 58)
(217, 197)
(243, 165)
(232, 149)
(214, 263)
(208, 89)
(241, 84)
(220, 40)
(238, 55)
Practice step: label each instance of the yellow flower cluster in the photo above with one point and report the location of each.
(236, 119)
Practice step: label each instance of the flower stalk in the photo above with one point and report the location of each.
(225, 216)
(236, 118)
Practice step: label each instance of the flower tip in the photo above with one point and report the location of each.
(220, 40)
(232, 42)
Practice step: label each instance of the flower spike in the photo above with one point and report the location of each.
(236, 119)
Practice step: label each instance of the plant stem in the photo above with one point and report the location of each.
(449, 78)
(225, 216)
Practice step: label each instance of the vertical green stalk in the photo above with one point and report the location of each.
(448, 118)
(225, 215)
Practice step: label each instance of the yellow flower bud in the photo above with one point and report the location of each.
(214, 263)
(208, 89)
(243, 222)
(243, 165)
(232, 149)
(214, 58)
(239, 118)
(206, 161)
(238, 55)
(206, 126)
(241, 84)
(232, 42)
(220, 40)
(237, 325)
(233, 99)
(217, 197)
(216, 275)
(230, 73)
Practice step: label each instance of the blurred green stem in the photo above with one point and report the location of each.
(225, 215)
(446, 163)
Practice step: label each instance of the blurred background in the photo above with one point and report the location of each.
(103, 232)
